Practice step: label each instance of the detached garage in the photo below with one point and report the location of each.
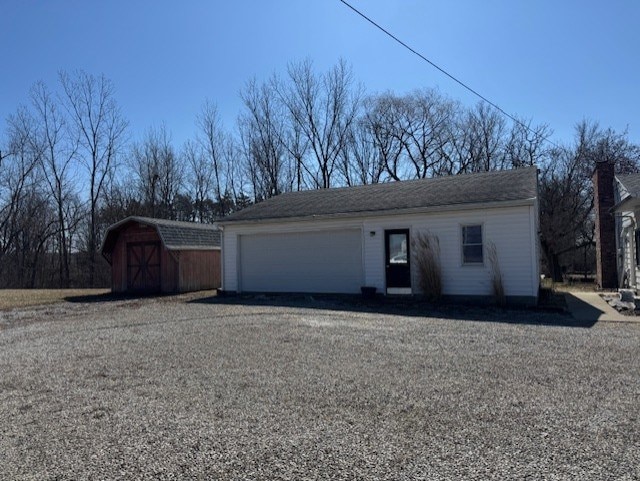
(339, 240)
(156, 255)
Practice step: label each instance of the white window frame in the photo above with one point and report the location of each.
(462, 244)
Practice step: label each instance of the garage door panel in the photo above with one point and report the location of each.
(329, 261)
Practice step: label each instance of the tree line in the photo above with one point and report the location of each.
(69, 167)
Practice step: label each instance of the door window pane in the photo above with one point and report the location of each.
(398, 249)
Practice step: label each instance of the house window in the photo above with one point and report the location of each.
(637, 239)
(472, 244)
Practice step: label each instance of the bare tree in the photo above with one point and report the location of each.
(121, 200)
(16, 178)
(200, 175)
(297, 146)
(565, 205)
(171, 176)
(3, 155)
(324, 107)
(566, 191)
(25, 220)
(101, 130)
(486, 128)
(423, 118)
(37, 226)
(201, 178)
(262, 130)
(594, 144)
(423, 134)
(157, 172)
(526, 144)
(455, 154)
(382, 117)
(212, 139)
(58, 148)
(237, 184)
(359, 161)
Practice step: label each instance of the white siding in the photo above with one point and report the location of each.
(229, 261)
(513, 230)
(325, 261)
(629, 257)
(509, 229)
(625, 226)
(374, 256)
(628, 272)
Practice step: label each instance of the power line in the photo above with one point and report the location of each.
(460, 82)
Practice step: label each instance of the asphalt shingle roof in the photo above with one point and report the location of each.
(458, 190)
(175, 235)
(631, 182)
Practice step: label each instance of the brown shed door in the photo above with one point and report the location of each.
(143, 266)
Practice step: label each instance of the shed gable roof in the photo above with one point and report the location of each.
(459, 190)
(175, 235)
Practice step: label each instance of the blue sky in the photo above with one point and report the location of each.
(555, 62)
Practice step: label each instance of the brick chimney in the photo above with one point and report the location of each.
(603, 179)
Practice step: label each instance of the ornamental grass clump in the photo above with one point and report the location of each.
(497, 284)
(426, 253)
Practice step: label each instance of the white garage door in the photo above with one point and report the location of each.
(329, 261)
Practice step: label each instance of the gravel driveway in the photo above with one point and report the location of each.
(171, 389)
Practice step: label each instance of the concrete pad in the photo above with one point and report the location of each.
(589, 307)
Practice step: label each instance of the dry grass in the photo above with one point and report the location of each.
(426, 252)
(568, 286)
(12, 298)
(497, 285)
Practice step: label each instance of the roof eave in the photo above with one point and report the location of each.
(381, 213)
(191, 248)
(628, 203)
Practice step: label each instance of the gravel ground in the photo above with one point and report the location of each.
(171, 389)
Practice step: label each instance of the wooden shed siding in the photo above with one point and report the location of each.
(199, 270)
(137, 233)
(169, 268)
(181, 271)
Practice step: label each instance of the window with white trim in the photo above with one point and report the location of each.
(472, 244)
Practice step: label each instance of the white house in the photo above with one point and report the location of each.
(339, 240)
(627, 213)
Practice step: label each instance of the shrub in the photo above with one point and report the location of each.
(426, 254)
(497, 285)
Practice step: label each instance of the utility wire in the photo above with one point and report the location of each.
(460, 82)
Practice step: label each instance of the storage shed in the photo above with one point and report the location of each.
(157, 255)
